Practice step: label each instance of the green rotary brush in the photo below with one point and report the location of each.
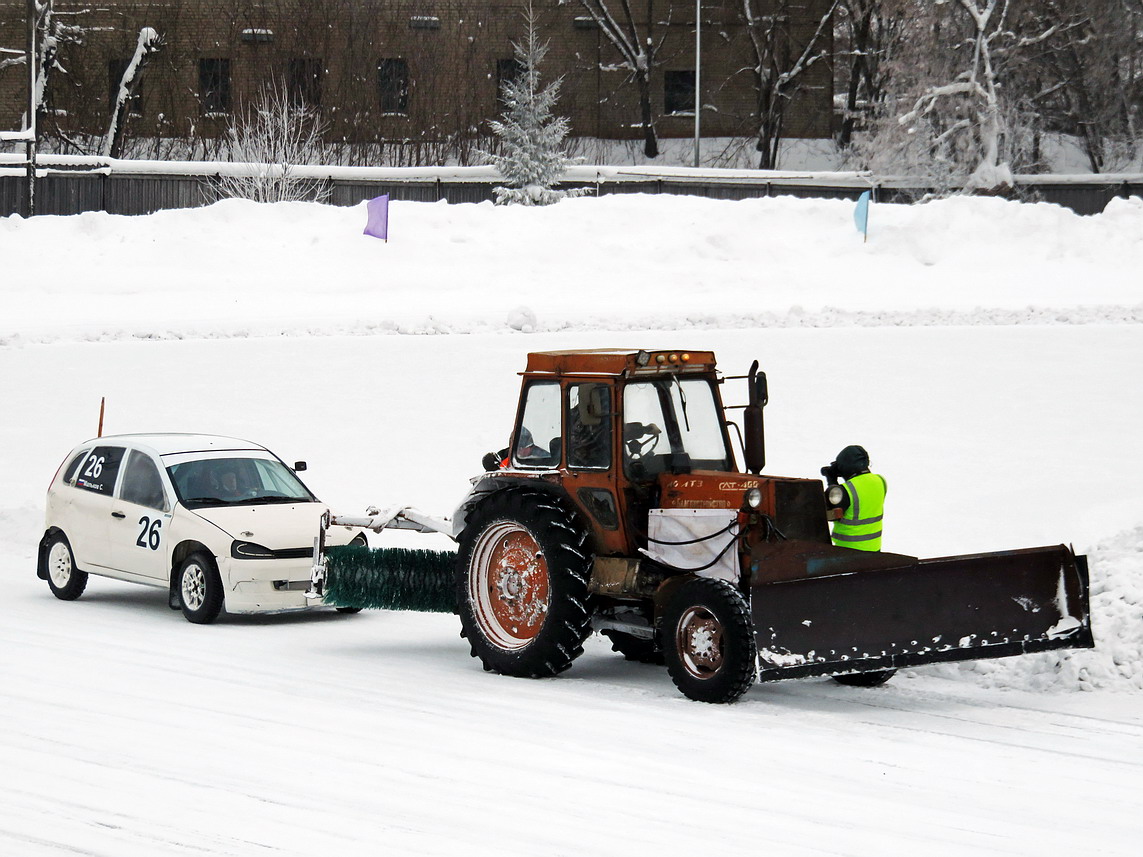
(391, 579)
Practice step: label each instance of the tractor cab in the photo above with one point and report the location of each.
(608, 425)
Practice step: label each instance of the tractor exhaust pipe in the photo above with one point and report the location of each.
(755, 441)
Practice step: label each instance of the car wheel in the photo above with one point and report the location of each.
(709, 641)
(200, 589)
(65, 580)
(869, 679)
(522, 593)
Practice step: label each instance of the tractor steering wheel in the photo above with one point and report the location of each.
(640, 439)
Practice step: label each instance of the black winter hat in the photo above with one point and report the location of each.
(851, 461)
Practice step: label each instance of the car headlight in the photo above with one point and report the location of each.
(754, 498)
(249, 550)
(835, 494)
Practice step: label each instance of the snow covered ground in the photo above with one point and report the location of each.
(1002, 343)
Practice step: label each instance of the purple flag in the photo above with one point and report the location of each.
(378, 223)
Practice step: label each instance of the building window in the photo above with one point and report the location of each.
(303, 82)
(507, 70)
(393, 85)
(116, 68)
(679, 92)
(214, 85)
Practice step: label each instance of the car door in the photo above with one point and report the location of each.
(140, 519)
(89, 515)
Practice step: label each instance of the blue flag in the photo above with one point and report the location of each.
(861, 215)
(378, 222)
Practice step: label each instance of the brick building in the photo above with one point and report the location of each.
(420, 75)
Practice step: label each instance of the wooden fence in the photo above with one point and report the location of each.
(118, 190)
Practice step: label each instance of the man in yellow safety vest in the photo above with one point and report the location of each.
(862, 500)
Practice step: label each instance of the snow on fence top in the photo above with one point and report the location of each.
(14, 164)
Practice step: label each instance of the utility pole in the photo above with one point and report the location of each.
(32, 105)
(698, 77)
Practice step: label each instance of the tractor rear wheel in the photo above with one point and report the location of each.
(708, 640)
(522, 574)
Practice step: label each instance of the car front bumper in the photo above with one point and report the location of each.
(267, 585)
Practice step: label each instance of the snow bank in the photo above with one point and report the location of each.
(1116, 662)
(630, 262)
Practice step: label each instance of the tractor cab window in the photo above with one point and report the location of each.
(539, 437)
(672, 424)
(589, 426)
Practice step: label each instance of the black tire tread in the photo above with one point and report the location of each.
(212, 604)
(77, 582)
(568, 623)
(741, 669)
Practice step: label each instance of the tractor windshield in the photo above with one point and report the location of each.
(672, 424)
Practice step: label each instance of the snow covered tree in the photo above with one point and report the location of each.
(956, 114)
(148, 44)
(271, 138)
(531, 138)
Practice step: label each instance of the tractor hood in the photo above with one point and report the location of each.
(274, 526)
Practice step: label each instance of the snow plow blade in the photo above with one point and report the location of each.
(863, 612)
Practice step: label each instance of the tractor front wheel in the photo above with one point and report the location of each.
(708, 641)
(522, 578)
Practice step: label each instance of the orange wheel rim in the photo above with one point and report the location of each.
(509, 586)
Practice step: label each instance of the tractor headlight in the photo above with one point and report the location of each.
(835, 494)
(754, 498)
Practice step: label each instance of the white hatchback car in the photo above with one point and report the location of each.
(218, 522)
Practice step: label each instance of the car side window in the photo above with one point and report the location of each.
(72, 469)
(142, 483)
(98, 470)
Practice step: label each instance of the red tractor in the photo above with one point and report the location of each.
(619, 507)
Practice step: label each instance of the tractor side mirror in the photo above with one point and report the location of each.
(299, 466)
(755, 441)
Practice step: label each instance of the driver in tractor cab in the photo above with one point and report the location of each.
(861, 500)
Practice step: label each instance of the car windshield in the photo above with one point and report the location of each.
(672, 424)
(236, 481)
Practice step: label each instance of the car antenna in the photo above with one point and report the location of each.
(102, 402)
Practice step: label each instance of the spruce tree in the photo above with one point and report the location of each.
(531, 138)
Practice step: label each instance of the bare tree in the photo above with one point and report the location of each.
(271, 138)
(780, 63)
(866, 35)
(1086, 81)
(637, 40)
